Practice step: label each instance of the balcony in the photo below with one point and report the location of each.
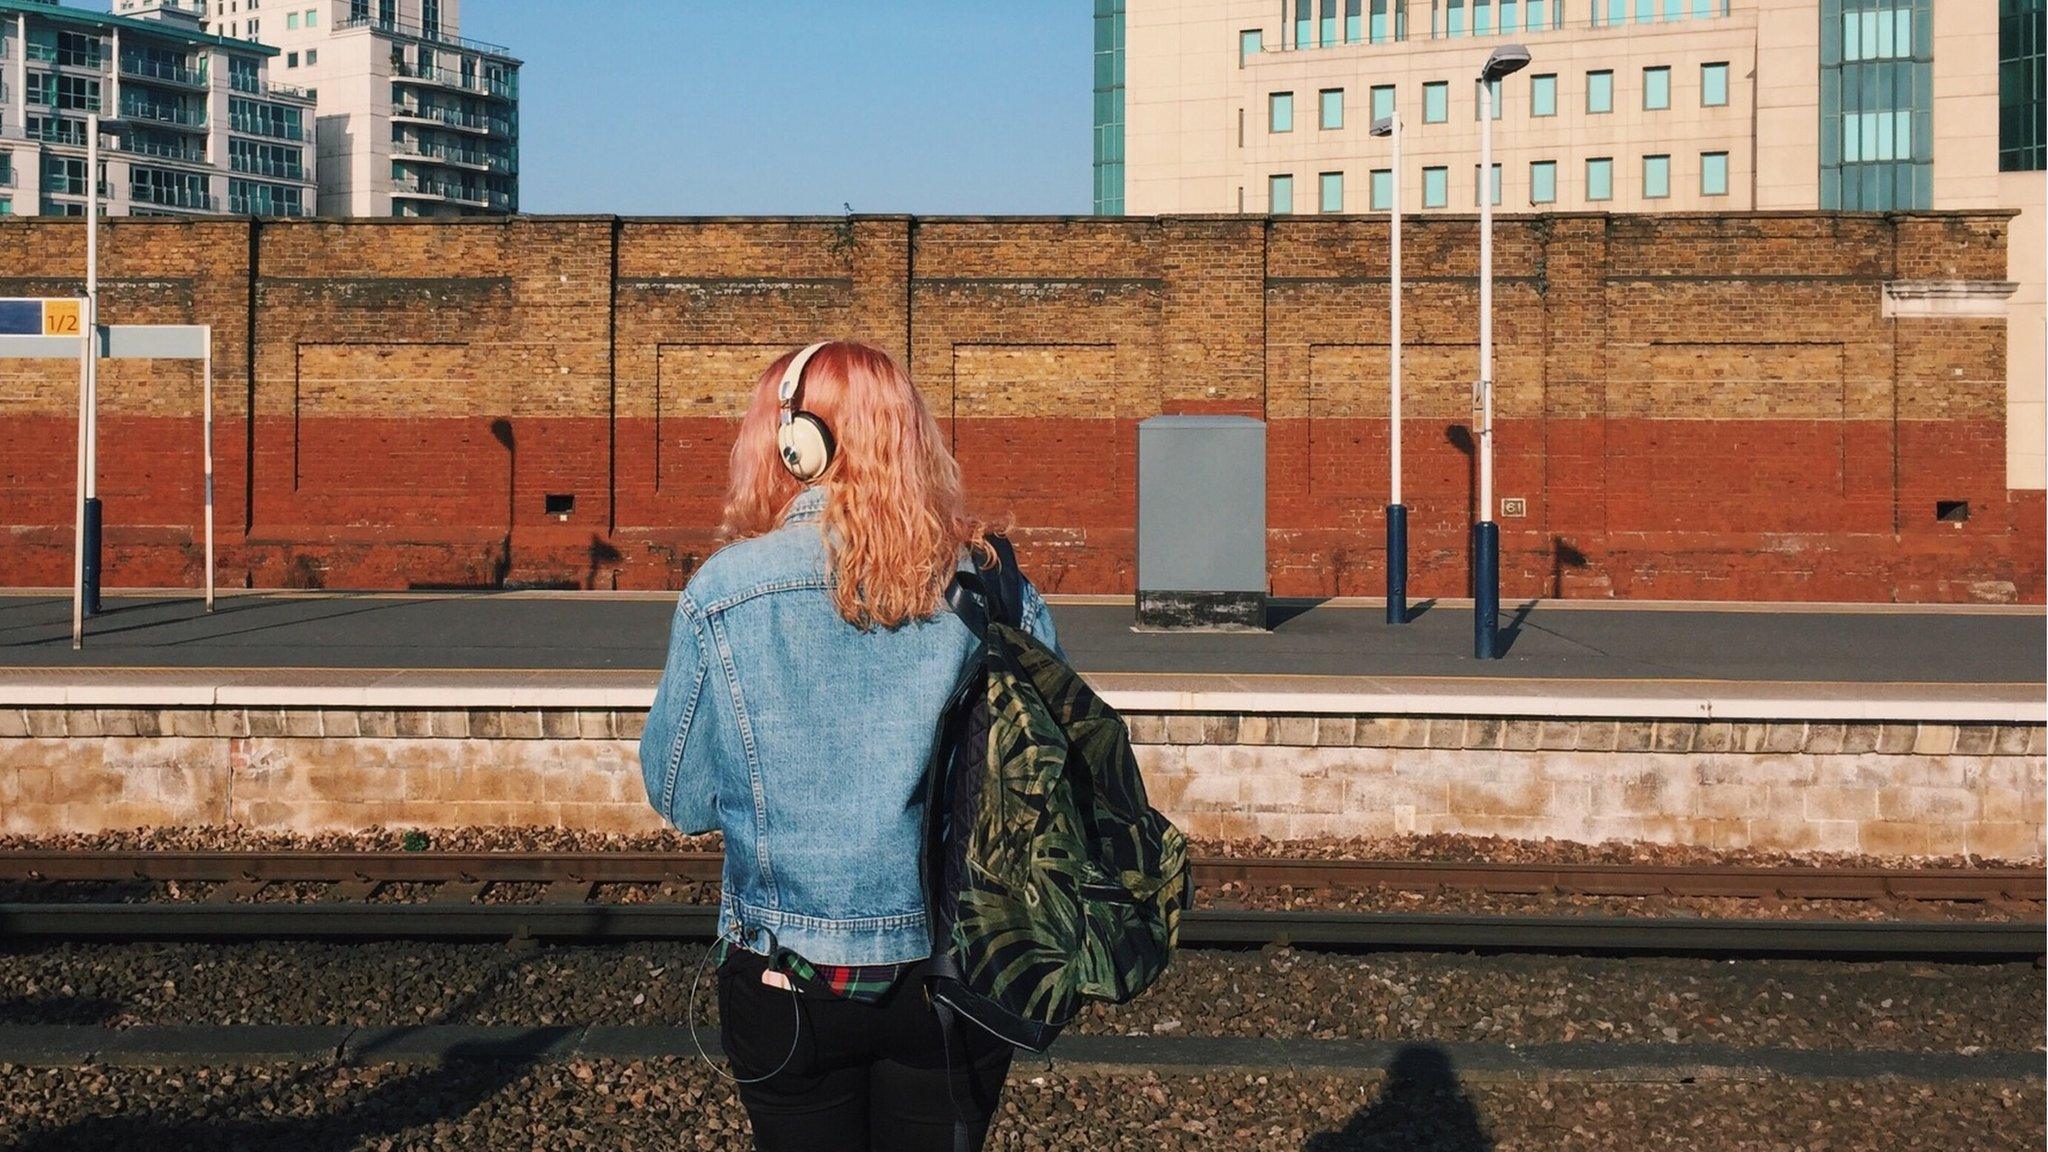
(145, 69)
(416, 32)
(56, 131)
(173, 114)
(464, 157)
(158, 151)
(475, 82)
(259, 126)
(454, 193)
(246, 205)
(173, 198)
(449, 117)
(258, 166)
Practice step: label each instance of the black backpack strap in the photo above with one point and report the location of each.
(978, 595)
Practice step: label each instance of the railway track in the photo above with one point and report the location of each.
(560, 896)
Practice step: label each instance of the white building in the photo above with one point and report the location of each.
(1264, 106)
(190, 122)
(413, 120)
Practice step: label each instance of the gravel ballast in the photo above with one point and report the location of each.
(660, 1104)
(1277, 992)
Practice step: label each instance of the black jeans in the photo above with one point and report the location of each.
(881, 1076)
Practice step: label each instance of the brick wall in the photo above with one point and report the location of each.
(1692, 406)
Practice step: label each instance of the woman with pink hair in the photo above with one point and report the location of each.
(809, 662)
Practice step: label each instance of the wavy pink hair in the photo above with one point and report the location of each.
(895, 514)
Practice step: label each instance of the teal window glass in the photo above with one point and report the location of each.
(1543, 95)
(1656, 177)
(1600, 178)
(1330, 192)
(1491, 98)
(1436, 102)
(1599, 92)
(1279, 195)
(1543, 182)
(1382, 189)
(1876, 105)
(1280, 112)
(1327, 26)
(1713, 173)
(1510, 15)
(1713, 85)
(1330, 108)
(1495, 182)
(1380, 26)
(1482, 17)
(1382, 102)
(1539, 15)
(1436, 187)
(1250, 43)
(291, 20)
(1877, 33)
(1354, 21)
(1454, 18)
(1304, 23)
(1656, 89)
(1109, 108)
(2022, 90)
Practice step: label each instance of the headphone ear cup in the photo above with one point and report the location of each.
(805, 445)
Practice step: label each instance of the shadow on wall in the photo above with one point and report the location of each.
(1420, 1108)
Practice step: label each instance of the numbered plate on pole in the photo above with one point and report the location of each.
(41, 317)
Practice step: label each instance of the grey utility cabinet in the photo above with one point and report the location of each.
(1202, 523)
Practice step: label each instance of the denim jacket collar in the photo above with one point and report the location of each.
(808, 505)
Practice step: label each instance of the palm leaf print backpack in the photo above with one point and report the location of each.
(1050, 880)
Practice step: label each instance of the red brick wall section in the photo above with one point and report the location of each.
(1691, 406)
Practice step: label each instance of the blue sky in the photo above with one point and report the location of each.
(665, 107)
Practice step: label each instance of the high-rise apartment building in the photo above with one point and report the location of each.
(1265, 106)
(189, 121)
(413, 119)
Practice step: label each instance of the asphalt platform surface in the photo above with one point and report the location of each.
(605, 631)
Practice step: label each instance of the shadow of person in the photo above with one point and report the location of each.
(1420, 1108)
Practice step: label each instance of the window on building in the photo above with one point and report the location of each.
(1713, 85)
(1656, 89)
(1354, 21)
(312, 17)
(1279, 195)
(2022, 91)
(1250, 43)
(1382, 27)
(1876, 105)
(1280, 112)
(79, 50)
(1382, 189)
(1713, 173)
(1436, 102)
(430, 17)
(1543, 95)
(358, 10)
(1495, 182)
(291, 21)
(1656, 177)
(64, 175)
(1436, 187)
(78, 93)
(1326, 26)
(312, 56)
(1330, 192)
(1543, 182)
(1872, 136)
(249, 29)
(1304, 24)
(1877, 32)
(1491, 99)
(1600, 178)
(1382, 101)
(291, 59)
(1330, 108)
(1599, 92)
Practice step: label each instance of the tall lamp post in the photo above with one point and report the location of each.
(1506, 60)
(1397, 512)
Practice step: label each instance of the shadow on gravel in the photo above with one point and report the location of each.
(1421, 1108)
(57, 1009)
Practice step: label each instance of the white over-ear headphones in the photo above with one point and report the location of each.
(803, 440)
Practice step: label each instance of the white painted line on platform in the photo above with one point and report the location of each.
(630, 690)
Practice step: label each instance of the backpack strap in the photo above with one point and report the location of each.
(980, 595)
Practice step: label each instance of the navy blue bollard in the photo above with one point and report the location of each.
(1486, 590)
(92, 556)
(1397, 564)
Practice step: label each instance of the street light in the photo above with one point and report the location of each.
(1506, 60)
(1397, 513)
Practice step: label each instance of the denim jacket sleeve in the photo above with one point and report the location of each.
(677, 753)
(1037, 620)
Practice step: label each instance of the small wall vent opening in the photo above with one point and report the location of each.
(560, 505)
(1952, 511)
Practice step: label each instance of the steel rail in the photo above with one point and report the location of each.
(1803, 883)
(593, 923)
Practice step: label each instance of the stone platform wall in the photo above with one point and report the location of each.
(1887, 789)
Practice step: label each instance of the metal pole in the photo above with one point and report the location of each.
(208, 422)
(93, 512)
(78, 533)
(1485, 533)
(1397, 512)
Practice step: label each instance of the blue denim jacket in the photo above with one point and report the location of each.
(805, 740)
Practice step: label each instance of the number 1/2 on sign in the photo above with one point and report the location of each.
(37, 316)
(60, 317)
